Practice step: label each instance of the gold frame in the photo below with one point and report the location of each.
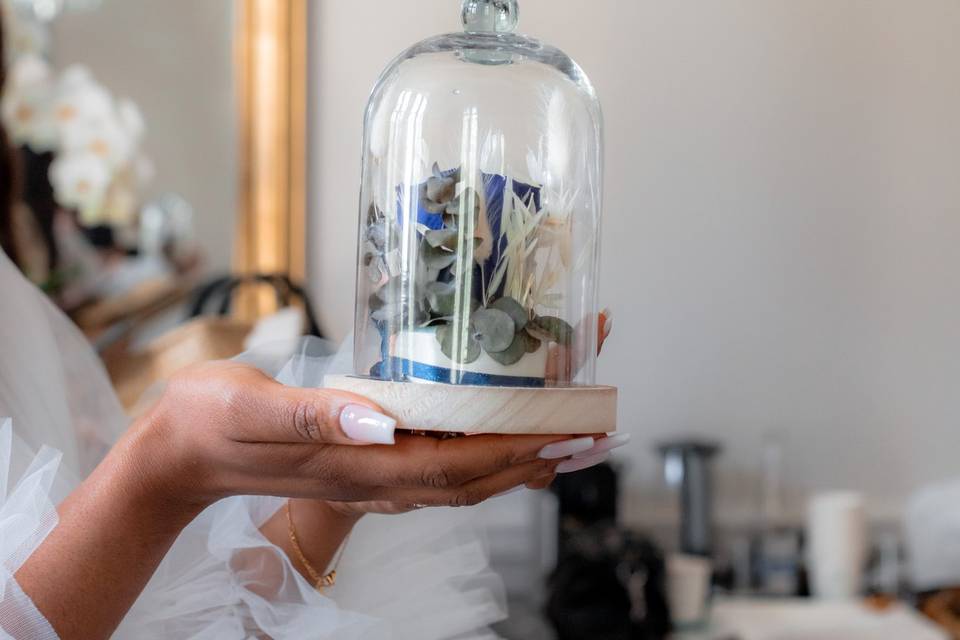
(271, 53)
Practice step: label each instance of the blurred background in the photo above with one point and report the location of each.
(782, 217)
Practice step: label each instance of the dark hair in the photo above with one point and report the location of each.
(8, 173)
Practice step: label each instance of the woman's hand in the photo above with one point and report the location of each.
(224, 428)
(602, 446)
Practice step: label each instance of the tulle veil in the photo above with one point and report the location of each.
(422, 575)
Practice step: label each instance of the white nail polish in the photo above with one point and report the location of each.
(363, 424)
(569, 466)
(604, 445)
(566, 448)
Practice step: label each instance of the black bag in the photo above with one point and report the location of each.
(222, 289)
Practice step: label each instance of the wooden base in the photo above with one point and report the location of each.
(508, 410)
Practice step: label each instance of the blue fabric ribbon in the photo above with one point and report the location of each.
(401, 369)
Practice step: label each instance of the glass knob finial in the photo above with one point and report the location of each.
(490, 16)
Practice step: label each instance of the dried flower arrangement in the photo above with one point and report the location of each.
(488, 259)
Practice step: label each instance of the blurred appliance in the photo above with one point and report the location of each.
(585, 498)
(688, 590)
(686, 465)
(609, 584)
(837, 544)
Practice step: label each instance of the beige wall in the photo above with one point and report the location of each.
(782, 221)
(174, 58)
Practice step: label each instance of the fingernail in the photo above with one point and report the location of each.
(363, 424)
(509, 491)
(605, 445)
(566, 448)
(569, 466)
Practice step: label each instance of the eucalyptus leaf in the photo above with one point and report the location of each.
(467, 351)
(376, 269)
(493, 329)
(374, 215)
(513, 309)
(390, 292)
(436, 258)
(388, 312)
(456, 206)
(531, 344)
(441, 189)
(428, 204)
(550, 329)
(442, 297)
(401, 315)
(377, 235)
(447, 238)
(513, 353)
(432, 207)
(437, 322)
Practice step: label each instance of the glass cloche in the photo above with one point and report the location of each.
(480, 212)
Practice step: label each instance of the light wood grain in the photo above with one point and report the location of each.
(466, 409)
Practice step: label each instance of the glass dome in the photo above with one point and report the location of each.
(480, 212)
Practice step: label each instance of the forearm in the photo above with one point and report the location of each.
(114, 530)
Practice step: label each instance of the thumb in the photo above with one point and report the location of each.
(324, 416)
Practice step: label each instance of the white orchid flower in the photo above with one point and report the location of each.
(80, 181)
(121, 201)
(26, 104)
(24, 34)
(131, 119)
(80, 100)
(26, 114)
(98, 168)
(105, 138)
(29, 69)
(76, 76)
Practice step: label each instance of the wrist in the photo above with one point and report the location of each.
(314, 534)
(340, 516)
(157, 476)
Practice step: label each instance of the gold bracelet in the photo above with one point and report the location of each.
(320, 582)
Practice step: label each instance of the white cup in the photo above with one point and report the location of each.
(836, 544)
(688, 587)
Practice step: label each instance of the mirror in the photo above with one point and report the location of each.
(161, 151)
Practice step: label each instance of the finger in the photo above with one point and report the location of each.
(475, 491)
(605, 444)
(281, 414)
(544, 482)
(413, 462)
(417, 461)
(338, 483)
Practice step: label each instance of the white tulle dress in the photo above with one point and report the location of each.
(422, 575)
